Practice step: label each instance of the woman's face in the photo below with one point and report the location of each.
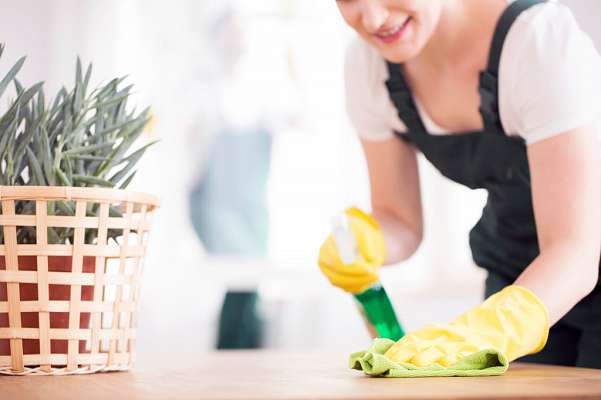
(399, 29)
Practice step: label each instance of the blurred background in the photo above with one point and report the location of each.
(255, 156)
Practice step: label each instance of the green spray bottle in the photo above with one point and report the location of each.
(373, 303)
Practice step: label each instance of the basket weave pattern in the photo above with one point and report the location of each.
(99, 328)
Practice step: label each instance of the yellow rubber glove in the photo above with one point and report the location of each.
(513, 321)
(359, 276)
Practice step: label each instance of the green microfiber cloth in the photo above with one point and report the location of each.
(373, 362)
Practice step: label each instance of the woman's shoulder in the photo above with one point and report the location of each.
(364, 62)
(546, 19)
(547, 9)
(367, 101)
(549, 67)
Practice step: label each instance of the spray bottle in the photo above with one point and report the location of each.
(373, 303)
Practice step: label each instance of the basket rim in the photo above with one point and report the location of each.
(76, 193)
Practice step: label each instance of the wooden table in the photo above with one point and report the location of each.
(261, 375)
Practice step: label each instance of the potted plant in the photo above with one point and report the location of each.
(71, 237)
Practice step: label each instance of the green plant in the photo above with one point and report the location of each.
(81, 138)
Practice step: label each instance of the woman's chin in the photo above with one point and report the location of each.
(398, 55)
(396, 52)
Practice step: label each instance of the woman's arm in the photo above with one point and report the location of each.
(566, 193)
(395, 195)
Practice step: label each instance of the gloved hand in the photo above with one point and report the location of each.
(363, 273)
(513, 321)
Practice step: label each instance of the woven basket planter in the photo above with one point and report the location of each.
(71, 308)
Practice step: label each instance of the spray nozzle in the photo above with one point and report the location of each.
(344, 239)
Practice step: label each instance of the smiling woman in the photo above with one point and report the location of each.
(398, 29)
(498, 95)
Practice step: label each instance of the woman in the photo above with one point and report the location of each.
(528, 134)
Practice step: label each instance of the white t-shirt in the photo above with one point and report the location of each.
(549, 81)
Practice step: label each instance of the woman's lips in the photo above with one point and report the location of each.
(392, 35)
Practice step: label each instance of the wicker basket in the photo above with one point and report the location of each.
(71, 308)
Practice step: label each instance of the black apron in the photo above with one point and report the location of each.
(504, 240)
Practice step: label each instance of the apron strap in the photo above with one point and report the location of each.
(401, 97)
(489, 79)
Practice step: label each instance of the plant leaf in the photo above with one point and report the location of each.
(91, 180)
(88, 149)
(131, 160)
(63, 177)
(128, 180)
(46, 155)
(35, 169)
(10, 75)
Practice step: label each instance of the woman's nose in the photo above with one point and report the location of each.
(373, 14)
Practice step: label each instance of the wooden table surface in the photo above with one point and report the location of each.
(269, 375)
